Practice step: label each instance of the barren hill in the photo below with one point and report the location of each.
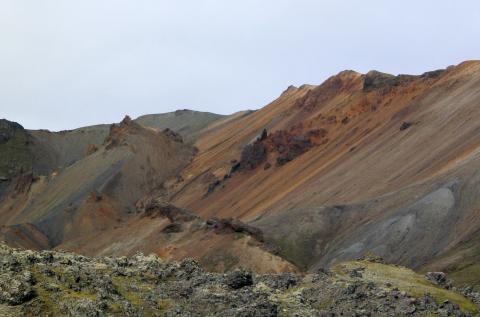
(361, 163)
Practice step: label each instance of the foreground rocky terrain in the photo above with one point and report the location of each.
(50, 283)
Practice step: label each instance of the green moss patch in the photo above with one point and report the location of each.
(406, 280)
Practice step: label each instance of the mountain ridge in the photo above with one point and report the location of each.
(360, 163)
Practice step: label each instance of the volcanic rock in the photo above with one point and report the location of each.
(157, 208)
(239, 278)
(67, 284)
(253, 155)
(234, 225)
(176, 137)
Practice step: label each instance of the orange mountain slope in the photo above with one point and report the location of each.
(361, 162)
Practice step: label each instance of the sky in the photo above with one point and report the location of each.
(66, 64)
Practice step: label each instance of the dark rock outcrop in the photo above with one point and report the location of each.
(172, 135)
(289, 146)
(211, 187)
(433, 74)
(378, 80)
(157, 208)
(119, 132)
(174, 227)
(405, 126)
(234, 225)
(253, 155)
(439, 278)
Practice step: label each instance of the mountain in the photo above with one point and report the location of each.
(96, 196)
(363, 163)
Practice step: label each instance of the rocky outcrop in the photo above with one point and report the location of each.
(374, 80)
(211, 187)
(234, 225)
(50, 283)
(439, 278)
(315, 96)
(286, 145)
(157, 208)
(23, 183)
(119, 132)
(91, 148)
(289, 146)
(377, 80)
(405, 126)
(253, 155)
(172, 135)
(433, 74)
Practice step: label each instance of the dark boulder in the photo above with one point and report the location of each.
(239, 278)
(405, 126)
(438, 278)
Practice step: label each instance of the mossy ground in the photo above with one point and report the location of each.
(130, 288)
(406, 280)
(134, 290)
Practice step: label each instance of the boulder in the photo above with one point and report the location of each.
(439, 278)
(239, 278)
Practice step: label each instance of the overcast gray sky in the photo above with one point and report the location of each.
(65, 63)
